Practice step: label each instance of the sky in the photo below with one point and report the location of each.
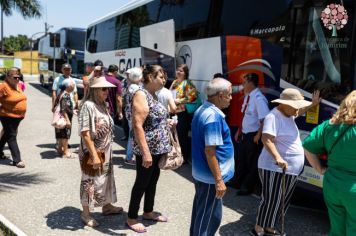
(61, 13)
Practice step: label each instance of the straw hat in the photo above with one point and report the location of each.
(292, 97)
(100, 82)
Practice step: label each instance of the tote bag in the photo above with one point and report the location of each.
(173, 159)
(58, 120)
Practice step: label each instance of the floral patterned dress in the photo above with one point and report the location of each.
(97, 190)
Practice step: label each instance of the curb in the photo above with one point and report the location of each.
(9, 228)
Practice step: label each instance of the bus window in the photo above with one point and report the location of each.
(319, 60)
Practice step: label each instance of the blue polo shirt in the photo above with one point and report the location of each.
(209, 128)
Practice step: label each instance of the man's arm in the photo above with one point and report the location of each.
(210, 153)
(54, 97)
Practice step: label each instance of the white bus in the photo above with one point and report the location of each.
(284, 41)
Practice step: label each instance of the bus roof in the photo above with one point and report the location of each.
(125, 8)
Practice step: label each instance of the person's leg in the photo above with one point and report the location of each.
(194, 210)
(242, 169)
(208, 210)
(350, 204)
(183, 128)
(60, 146)
(150, 192)
(251, 156)
(4, 136)
(129, 152)
(336, 211)
(143, 176)
(87, 219)
(13, 124)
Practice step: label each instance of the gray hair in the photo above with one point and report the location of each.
(217, 85)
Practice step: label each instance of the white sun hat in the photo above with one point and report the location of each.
(292, 97)
(100, 82)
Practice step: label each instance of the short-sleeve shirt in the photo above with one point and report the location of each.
(209, 128)
(257, 109)
(155, 128)
(13, 102)
(287, 142)
(342, 157)
(113, 92)
(57, 84)
(163, 96)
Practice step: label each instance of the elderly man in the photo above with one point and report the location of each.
(212, 158)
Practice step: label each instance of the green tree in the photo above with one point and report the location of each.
(27, 8)
(16, 43)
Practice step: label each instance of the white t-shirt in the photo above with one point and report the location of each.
(163, 96)
(287, 142)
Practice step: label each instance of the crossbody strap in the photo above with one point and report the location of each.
(338, 139)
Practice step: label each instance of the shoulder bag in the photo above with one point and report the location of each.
(58, 120)
(173, 159)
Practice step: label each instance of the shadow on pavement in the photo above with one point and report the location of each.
(50, 155)
(120, 162)
(11, 181)
(40, 88)
(68, 218)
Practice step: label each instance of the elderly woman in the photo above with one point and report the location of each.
(282, 151)
(12, 111)
(151, 141)
(97, 187)
(184, 92)
(134, 78)
(66, 108)
(337, 138)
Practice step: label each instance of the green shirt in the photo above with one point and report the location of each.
(342, 157)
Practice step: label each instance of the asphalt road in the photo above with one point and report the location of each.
(43, 198)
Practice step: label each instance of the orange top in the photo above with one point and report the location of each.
(13, 102)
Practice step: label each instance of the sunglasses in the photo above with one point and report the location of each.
(104, 89)
(16, 77)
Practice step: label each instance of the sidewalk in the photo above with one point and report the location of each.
(43, 198)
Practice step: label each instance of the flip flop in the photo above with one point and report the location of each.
(136, 230)
(113, 210)
(158, 218)
(89, 221)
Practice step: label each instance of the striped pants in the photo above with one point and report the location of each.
(269, 211)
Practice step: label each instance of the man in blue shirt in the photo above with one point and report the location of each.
(212, 158)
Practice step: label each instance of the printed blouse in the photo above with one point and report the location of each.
(185, 92)
(155, 128)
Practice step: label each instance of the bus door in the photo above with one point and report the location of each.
(158, 46)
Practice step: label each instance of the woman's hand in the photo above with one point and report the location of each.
(147, 161)
(177, 101)
(316, 99)
(96, 162)
(282, 163)
(171, 123)
(68, 124)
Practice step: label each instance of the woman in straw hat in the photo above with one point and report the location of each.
(337, 137)
(282, 153)
(97, 188)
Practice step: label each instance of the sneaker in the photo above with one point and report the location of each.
(130, 162)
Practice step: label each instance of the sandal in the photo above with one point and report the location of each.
(158, 217)
(112, 210)
(89, 221)
(274, 232)
(134, 228)
(19, 164)
(70, 156)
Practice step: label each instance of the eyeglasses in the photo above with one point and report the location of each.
(104, 89)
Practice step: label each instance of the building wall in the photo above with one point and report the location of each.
(29, 64)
